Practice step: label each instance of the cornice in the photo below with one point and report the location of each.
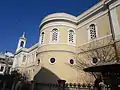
(57, 19)
(56, 51)
(73, 19)
(59, 24)
(27, 50)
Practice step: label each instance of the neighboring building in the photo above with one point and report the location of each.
(6, 61)
(61, 37)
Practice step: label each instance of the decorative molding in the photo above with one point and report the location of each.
(58, 24)
(115, 23)
(27, 50)
(58, 35)
(95, 40)
(92, 19)
(68, 61)
(58, 16)
(74, 37)
(91, 11)
(42, 45)
(56, 51)
(115, 4)
(54, 20)
(50, 62)
(82, 16)
(96, 29)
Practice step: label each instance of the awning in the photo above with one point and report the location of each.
(104, 67)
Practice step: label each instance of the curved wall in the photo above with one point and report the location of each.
(62, 50)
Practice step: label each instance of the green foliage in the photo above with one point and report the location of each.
(17, 76)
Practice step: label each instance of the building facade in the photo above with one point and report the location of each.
(6, 61)
(62, 38)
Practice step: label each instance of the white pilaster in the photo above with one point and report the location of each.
(115, 23)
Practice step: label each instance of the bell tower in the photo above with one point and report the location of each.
(22, 42)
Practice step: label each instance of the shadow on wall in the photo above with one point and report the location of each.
(46, 76)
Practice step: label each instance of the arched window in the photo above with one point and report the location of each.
(55, 35)
(42, 37)
(22, 43)
(92, 31)
(71, 36)
(24, 58)
(38, 62)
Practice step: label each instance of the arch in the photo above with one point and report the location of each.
(46, 76)
(71, 36)
(54, 35)
(42, 37)
(21, 43)
(92, 31)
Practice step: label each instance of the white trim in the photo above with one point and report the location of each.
(58, 24)
(58, 16)
(116, 26)
(57, 43)
(97, 7)
(106, 1)
(42, 37)
(52, 63)
(58, 36)
(74, 37)
(96, 29)
(95, 40)
(115, 4)
(91, 62)
(58, 50)
(73, 60)
(91, 19)
(19, 44)
(27, 50)
(90, 11)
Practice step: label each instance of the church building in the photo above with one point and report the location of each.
(61, 38)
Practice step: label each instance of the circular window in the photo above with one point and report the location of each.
(94, 60)
(52, 60)
(71, 61)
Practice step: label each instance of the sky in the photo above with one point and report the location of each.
(18, 16)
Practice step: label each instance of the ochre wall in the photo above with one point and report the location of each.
(118, 13)
(103, 28)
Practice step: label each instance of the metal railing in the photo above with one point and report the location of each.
(68, 86)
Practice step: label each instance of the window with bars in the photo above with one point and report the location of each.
(92, 31)
(55, 35)
(42, 37)
(71, 36)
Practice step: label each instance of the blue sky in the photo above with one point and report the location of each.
(17, 16)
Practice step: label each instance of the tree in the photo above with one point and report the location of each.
(98, 51)
(18, 78)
